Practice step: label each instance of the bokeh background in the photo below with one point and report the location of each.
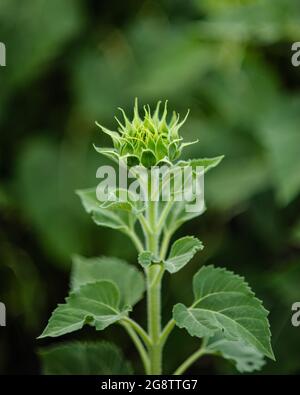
(71, 62)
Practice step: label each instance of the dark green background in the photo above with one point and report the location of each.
(70, 63)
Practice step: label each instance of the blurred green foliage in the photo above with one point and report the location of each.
(72, 62)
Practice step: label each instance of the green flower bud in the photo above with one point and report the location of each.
(149, 140)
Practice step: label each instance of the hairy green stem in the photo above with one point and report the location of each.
(139, 330)
(155, 339)
(154, 318)
(154, 277)
(152, 227)
(165, 244)
(189, 361)
(164, 215)
(144, 224)
(139, 346)
(166, 331)
(152, 237)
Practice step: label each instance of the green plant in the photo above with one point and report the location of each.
(225, 313)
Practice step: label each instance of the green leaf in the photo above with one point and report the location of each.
(224, 301)
(111, 217)
(124, 200)
(182, 251)
(207, 163)
(88, 199)
(245, 358)
(145, 258)
(121, 205)
(96, 304)
(78, 358)
(129, 280)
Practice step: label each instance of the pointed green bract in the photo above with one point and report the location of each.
(84, 358)
(110, 153)
(182, 251)
(129, 280)
(206, 163)
(224, 301)
(96, 304)
(148, 158)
